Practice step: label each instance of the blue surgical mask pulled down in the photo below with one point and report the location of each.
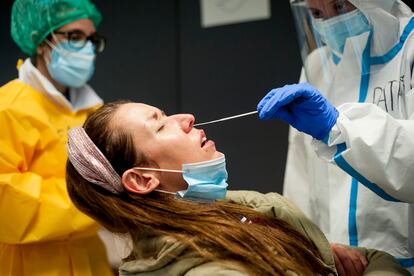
(71, 67)
(206, 180)
(336, 30)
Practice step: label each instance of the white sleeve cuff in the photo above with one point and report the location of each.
(327, 150)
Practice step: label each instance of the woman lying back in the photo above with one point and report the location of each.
(158, 179)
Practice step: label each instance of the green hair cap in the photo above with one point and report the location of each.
(33, 20)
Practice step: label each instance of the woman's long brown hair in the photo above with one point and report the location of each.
(214, 230)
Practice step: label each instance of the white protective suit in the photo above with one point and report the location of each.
(356, 187)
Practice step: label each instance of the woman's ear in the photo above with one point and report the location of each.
(138, 182)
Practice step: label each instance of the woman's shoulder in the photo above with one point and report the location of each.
(267, 204)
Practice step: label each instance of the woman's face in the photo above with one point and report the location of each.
(326, 9)
(167, 141)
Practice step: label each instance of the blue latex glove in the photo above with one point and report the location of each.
(302, 106)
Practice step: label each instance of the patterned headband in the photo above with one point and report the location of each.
(90, 162)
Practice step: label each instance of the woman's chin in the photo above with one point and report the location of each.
(217, 154)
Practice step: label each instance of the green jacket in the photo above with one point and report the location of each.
(166, 256)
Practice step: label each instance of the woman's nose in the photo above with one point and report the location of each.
(186, 121)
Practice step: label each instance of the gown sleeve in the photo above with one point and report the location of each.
(375, 148)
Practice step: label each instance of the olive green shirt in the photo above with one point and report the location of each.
(163, 255)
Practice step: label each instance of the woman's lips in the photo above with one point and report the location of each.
(203, 140)
(205, 144)
(208, 144)
(203, 137)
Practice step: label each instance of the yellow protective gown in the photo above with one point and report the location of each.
(41, 231)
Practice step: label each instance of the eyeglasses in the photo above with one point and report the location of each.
(78, 40)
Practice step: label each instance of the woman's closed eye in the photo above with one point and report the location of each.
(161, 128)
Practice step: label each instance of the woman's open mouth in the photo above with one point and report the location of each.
(208, 143)
(204, 141)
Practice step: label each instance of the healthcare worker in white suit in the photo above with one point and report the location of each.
(350, 164)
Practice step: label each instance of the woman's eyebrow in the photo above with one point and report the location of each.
(156, 115)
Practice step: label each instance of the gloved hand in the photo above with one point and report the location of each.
(302, 106)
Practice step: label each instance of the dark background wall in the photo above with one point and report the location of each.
(159, 54)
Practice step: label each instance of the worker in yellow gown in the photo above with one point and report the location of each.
(41, 232)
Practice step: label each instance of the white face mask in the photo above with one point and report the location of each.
(206, 180)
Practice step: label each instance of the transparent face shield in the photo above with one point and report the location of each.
(329, 33)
